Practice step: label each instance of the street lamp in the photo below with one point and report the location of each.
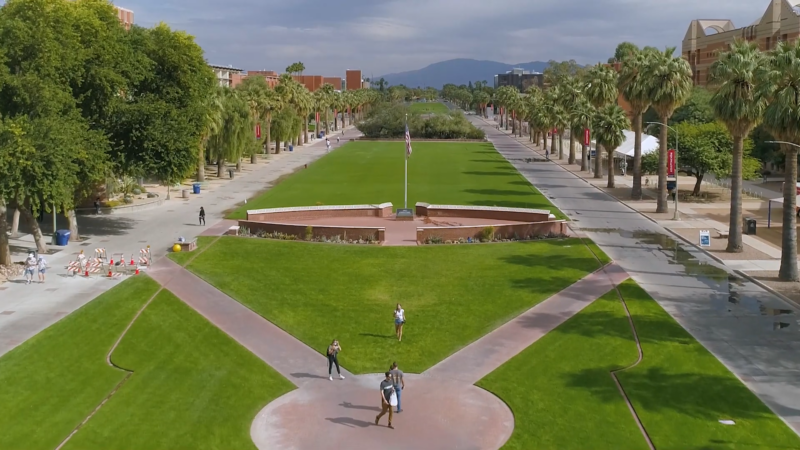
(677, 215)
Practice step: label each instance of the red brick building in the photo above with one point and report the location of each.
(270, 76)
(705, 39)
(125, 16)
(336, 82)
(311, 82)
(353, 80)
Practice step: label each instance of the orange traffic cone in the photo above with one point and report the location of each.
(86, 273)
(109, 273)
(132, 263)
(111, 263)
(137, 271)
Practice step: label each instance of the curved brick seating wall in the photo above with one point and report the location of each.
(484, 212)
(376, 233)
(318, 212)
(519, 230)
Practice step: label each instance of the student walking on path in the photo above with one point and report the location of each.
(333, 352)
(30, 267)
(399, 321)
(42, 266)
(387, 398)
(202, 216)
(399, 384)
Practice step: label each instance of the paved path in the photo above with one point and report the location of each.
(483, 356)
(736, 320)
(26, 310)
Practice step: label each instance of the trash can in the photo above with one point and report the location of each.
(184, 193)
(195, 188)
(230, 173)
(749, 225)
(291, 147)
(62, 237)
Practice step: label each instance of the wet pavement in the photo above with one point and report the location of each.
(755, 334)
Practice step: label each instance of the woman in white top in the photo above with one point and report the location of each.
(42, 268)
(399, 320)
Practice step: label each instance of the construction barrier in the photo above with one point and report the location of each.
(112, 267)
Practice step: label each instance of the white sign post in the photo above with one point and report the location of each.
(705, 238)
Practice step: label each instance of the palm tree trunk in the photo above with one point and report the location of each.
(267, 141)
(254, 158)
(74, 235)
(220, 167)
(327, 123)
(735, 227)
(584, 155)
(610, 168)
(571, 158)
(238, 164)
(544, 142)
(513, 125)
(788, 270)
(661, 204)
(305, 130)
(5, 250)
(201, 165)
(277, 145)
(552, 144)
(636, 190)
(598, 158)
(561, 144)
(41, 247)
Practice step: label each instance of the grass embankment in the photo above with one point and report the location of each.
(452, 294)
(371, 172)
(563, 397)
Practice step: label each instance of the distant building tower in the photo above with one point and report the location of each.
(353, 80)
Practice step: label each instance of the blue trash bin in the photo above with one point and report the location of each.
(196, 188)
(291, 147)
(62, 237)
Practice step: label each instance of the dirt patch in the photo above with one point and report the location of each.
(789, 289)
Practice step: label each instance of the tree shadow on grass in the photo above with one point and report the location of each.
(493, 173)
(500, 192)
(381, 336)
(542, 203)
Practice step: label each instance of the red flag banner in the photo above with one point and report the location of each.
(258, 131)
(587, 137)
(317, 116)
(671, 163)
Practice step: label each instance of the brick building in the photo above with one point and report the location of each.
(271, 77)
(336, 82)
(227, 76)
(353, 80)
(311, 82)
(125, 16)
(519, 78)
(705, 39)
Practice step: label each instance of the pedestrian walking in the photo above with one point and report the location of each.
(387, 398)
(42, 266)
(547, 155)
(30, 267)
(399, 384)
(97, 205)
(399, 321)
(327, 145)
(333, 359)
(337, 139)
(202, 216)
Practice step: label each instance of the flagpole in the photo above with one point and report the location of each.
(405, 184)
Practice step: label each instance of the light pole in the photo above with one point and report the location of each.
(677, 215)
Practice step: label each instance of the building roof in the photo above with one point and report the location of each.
(231, 68)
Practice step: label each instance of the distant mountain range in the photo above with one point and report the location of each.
(457, 71)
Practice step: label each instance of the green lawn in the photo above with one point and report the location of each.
(54, 380)
(429, 108)
(563, 397)
(192, 387)
(452, 294)
(438, 172)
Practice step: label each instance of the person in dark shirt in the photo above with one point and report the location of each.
(202, 216)
(387, 391)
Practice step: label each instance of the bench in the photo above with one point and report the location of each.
(187, 246)
(722, 234)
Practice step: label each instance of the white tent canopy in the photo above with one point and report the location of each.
(649, 144)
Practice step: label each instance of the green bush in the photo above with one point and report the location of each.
(388, 121)
(309, 233)
(487, 234)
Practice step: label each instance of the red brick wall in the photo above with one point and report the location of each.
(482, 214)
(336, 82)
(378, 234)
(320, 214)
(353, 79)
(522, 230)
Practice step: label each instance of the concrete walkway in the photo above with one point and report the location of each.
(25, 310)
(754, 333)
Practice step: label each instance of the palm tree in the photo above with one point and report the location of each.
(581, 115)
(609, 126)
(305, 104)
(634, 87)
(570, 95)
(326, 95)
(779, 83)
(212, 122)
(286, 90)
(738, 104)
(253, 90)
(668, 86)
(234, 137)
(601, 90)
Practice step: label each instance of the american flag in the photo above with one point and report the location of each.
(408, 142)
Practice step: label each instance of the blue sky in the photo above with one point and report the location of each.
(385, 36)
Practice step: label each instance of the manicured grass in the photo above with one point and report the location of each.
(54, 380)
(680, 390)
(563, 397)
(438, 172)
(192, 387)
(181, 258)
(429, 108)
(600, 254)
(551, 410)
(452, 294)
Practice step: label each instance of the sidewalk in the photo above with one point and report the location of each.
(26, 310)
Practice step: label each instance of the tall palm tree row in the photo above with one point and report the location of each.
(601, 91)
(609, 125)
(634, 88)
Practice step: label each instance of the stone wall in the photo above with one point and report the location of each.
(319, 212)
(520, 230)
(299, 230)
(484, 212)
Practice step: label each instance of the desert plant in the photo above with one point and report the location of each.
(309, 233)
(487, 234)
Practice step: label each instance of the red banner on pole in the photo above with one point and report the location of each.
(317, 116)
(587, 137)
(670, 163)
(258, 131)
